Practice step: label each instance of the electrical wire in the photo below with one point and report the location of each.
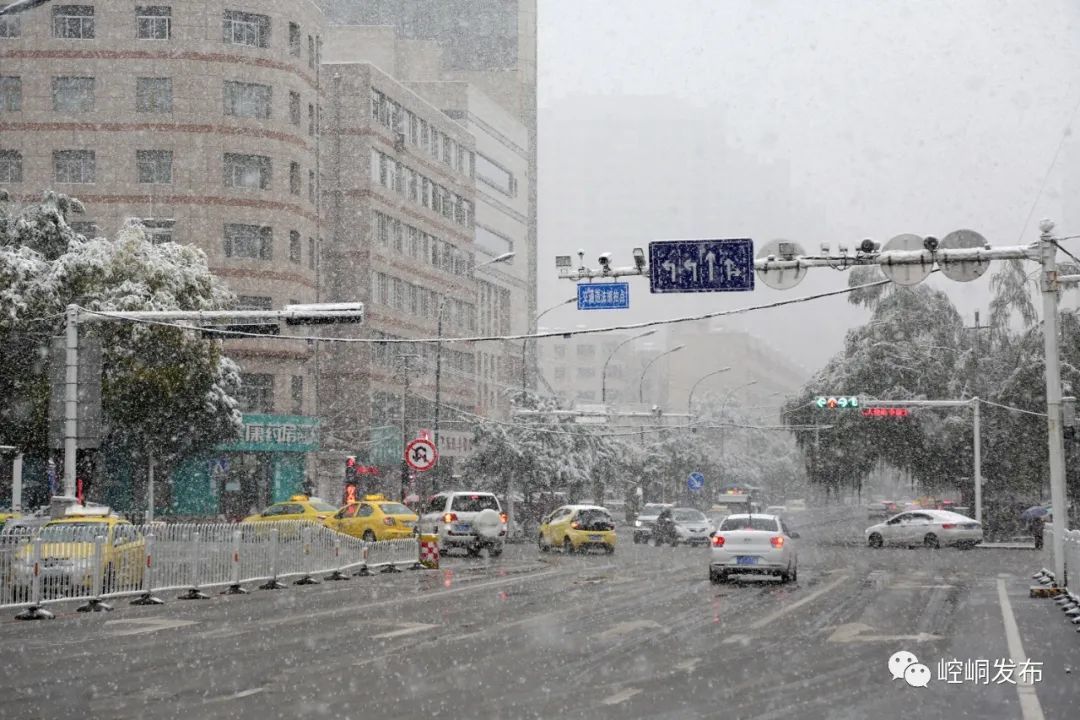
(1059, 247)
(1012, 408)
(492, 338)
(1042, 186)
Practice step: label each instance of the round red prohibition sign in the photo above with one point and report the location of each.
(421, 454)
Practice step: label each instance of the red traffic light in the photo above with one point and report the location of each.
(350, 461)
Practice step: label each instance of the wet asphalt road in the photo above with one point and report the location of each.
(641, 634)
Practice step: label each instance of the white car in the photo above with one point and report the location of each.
(472, 521)
(929, 528)
(753, 544)
(776, 510)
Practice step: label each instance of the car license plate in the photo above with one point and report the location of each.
(746, 560)
(462, 528)
(596, 537)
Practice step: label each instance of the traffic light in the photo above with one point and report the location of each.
(833, 403)
(350, 469)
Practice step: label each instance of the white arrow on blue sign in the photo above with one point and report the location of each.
(695, 482)
(687, 266)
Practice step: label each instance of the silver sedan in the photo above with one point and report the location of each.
(753, 544)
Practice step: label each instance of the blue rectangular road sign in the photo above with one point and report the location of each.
(687, 266)
(603, 296)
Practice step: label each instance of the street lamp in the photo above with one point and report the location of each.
(603, 375)
(690, 398)
(641, 382)
(438, 347)
(525, 341)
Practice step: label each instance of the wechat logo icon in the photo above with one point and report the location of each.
(904, 665)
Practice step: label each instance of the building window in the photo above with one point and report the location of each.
(560, 351)
(73, 94)
(294, 39)
(153, 22)
(584, 373)
(294, 178)
(560, 373)
(154, 166)
(249, 241)
(313, 254)
(256, 393)
(311, 188)
(73, 21)
(294, 246)
(254, 302)
(310, 119)
(311, 52)
(10, 27)
(153, 95)
(243, 28)
(247, 99)
(74, 166)
(10, 93)
(294, 107)
(251, 172)
(86, 228)
(159, 231)
(494, 175)
(10, 166)
(297, 392)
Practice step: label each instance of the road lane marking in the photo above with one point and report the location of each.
(762, 622)
(688, 665)
(1029, 701)
(857, 632)
(625, 628)
(621, 696)
(410, 630)
(146, 625)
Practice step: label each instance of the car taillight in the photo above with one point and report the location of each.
(449, 517)
(504, 517)
(777, 541)
(948, 526)
(576, 525)
(718, 541)
(388, 521)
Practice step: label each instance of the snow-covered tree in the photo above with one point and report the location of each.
(162, 388)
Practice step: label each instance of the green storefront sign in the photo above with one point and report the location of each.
(276, 433)
(281, 440)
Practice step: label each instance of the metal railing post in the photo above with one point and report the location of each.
(94, 604)
(235, 588)
(339, 572)
(193, 572)
(35, 611)
(272, 583)
(147, 597)
(305, 542)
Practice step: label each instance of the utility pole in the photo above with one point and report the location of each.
(406, 370)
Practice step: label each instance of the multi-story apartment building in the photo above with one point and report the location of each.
(400, 203)
(574, 368)
(202, 119)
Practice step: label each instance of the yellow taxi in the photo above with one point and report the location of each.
(67, 553)
(375, 518)
(6, 515)
(577, 528)
(297, 507)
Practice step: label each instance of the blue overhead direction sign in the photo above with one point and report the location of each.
(687, 266)
(695, 482)
(603, 296)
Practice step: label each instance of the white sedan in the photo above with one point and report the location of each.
(753, 544)
(929, 528)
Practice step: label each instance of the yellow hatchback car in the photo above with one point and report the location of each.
(375, 518)
(577, 528)
(67, 553)
(298, 507)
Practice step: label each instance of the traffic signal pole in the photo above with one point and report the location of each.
(315, 314)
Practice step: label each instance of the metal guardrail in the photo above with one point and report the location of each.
(1071, 581)
(94, 563)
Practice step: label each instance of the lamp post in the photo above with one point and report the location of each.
(603, 375)
(525, 341)
(641, 382)
(690, 398)
(438, 346)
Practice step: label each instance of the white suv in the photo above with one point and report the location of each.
(469, 520)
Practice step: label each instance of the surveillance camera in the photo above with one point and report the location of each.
(639, 258)
(825, 248)
(930, 243)
(842, 247)
(868, 246)
(605, 259)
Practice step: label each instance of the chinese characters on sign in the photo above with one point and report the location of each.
(603, 296)
(276, 433)
(985, 672)
(885, 412)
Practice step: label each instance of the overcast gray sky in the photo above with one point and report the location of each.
(824, 120)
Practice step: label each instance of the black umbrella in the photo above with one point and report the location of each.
(1034, 512)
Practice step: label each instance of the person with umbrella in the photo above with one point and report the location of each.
(1035, 517)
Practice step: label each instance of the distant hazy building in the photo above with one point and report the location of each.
(574, 368)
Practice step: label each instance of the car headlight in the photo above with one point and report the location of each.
(637, 523)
